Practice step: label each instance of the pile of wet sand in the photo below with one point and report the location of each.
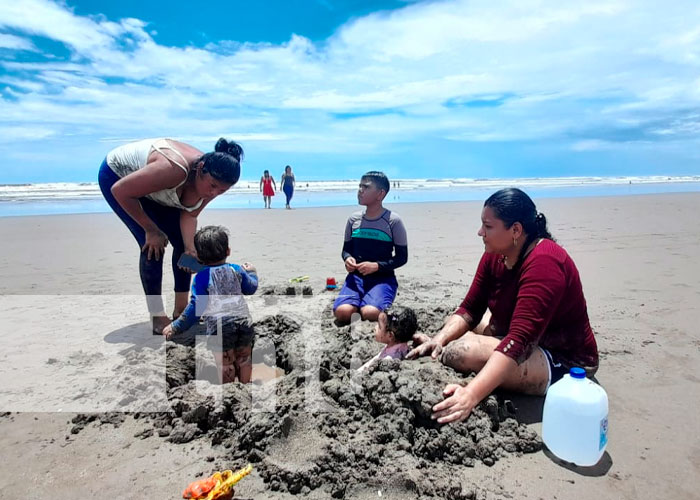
(324, 427)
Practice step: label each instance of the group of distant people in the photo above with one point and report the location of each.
(522, 324)
(268, 186)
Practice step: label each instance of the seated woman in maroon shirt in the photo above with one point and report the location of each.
(539, 324)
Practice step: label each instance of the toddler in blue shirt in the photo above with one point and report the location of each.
(217, 297)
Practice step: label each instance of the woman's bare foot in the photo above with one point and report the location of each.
(158, 323)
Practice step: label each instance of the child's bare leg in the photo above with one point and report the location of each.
(370, 313)
(244, 363)
(226, 366)
(343, 313)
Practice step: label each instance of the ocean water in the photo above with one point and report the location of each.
(82, 198)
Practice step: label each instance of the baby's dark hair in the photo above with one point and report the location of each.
(402, 322)
(379, 179)
(211, 243)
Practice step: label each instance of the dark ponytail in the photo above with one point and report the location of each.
(224, 164)
(541, 227)
(229, 147)
(512, 205)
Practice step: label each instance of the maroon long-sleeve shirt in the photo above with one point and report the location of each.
(540, 302)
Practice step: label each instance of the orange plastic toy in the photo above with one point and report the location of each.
(217, 487)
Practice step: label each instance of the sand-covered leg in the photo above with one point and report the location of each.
(244, 363)
(226, 367)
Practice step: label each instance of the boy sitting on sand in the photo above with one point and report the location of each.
(217, 296)
(395, 327)
(375, 244)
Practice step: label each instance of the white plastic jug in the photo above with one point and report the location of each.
(575, 419)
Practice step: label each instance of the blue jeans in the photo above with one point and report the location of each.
(168, 220)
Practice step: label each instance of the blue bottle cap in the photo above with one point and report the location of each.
(577, 372)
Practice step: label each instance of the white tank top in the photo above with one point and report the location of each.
(131, 157)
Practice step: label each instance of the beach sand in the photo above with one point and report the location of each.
(96, 405)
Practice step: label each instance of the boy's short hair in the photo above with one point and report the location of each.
(211, 243)
(402, 322)
(378, 178)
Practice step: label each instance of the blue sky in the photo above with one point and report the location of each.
(476, 88)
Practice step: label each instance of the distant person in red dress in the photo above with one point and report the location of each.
(539, 325)
(268, 188)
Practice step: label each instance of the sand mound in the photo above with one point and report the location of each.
(362, 432)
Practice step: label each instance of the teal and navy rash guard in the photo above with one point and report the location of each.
(382, 240)
(217, 294)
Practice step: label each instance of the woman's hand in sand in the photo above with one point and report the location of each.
(458, 404)
(426, 345)
(365, 268)
(168, 331)
(350, 264)
(156, 241)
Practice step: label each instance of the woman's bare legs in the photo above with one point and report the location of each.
(471, 352)
(483, 327)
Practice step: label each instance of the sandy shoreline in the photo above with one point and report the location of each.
(636, 256)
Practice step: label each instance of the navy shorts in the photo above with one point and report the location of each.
(360, 291)
(556, 369)
(235, 334)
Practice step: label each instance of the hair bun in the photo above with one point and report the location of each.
(229, 147)
(221, 146)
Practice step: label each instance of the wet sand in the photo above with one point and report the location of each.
(75, 342)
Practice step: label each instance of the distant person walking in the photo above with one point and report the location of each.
(268, 188)
(158, 187)
(287, 183)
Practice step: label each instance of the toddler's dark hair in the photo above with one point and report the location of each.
(211, 243)
(402, 322)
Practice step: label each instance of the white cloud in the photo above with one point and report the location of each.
(591, 145)
(15, 43)
(22, 84)
(423, 30)
(12, 134)
(56, 21)
(569, 68)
